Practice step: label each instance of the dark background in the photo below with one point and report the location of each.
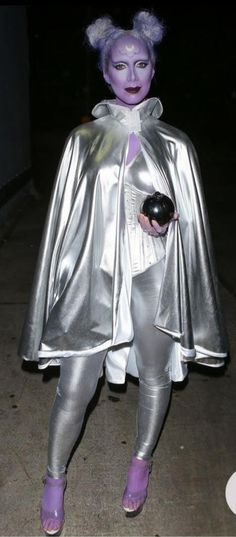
(195, 80)
(195, 73)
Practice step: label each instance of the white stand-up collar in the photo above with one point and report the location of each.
(130, 117)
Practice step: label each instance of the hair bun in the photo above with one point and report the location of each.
(149, 25)
(99, 31)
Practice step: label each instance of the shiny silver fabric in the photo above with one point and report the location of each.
(76, 387)
(80, 302)
(144, 249)
(153, 351)
(79, 376)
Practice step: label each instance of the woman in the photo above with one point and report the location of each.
(110, 288)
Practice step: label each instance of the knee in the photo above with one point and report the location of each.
(71, 399)
(155, 380)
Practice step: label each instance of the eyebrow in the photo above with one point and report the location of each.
(124, 61)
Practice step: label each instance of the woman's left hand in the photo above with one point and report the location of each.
(154, 228)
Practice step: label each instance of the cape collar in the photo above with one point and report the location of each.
(129, 117)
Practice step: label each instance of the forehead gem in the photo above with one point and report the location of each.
(131, 48)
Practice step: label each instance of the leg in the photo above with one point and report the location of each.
(153, 349)
(154, 397)
(77, 384)
(76, 387)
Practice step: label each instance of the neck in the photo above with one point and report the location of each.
(121, 103)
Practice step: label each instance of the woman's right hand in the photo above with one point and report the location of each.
(154, 228)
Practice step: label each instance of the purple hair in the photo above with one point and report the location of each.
(102, 33)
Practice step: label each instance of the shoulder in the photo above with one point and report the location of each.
(85, 130)
(177, 140)
(88, 131)
(82, 135)
(174, 134)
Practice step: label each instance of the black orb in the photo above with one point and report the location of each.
(158, 207)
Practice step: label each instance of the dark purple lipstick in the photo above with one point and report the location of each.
(133, 90)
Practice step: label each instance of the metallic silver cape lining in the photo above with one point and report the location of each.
(81, 290)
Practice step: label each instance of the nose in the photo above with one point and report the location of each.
(132, 75)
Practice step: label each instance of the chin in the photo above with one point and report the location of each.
(132, 100)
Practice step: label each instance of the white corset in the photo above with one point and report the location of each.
(145, 250)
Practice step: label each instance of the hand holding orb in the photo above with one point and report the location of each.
(158, 207)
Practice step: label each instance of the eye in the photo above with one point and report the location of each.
(142, 65)
(119, 66)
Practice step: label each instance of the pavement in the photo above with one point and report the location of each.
(195, 456)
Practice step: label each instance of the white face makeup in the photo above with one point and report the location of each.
(129, 70)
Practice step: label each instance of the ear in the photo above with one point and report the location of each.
(153, 72)
(106, 77)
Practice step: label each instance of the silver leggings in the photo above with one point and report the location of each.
(79, 377)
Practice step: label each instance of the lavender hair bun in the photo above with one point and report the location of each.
(149, 26)
(99, 31)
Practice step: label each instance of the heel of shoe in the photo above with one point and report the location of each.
(52, 514)
(135, 493)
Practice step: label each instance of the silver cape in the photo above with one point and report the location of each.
(80, 299)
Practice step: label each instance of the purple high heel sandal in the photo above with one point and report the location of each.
(52, 513)
(135, 492)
